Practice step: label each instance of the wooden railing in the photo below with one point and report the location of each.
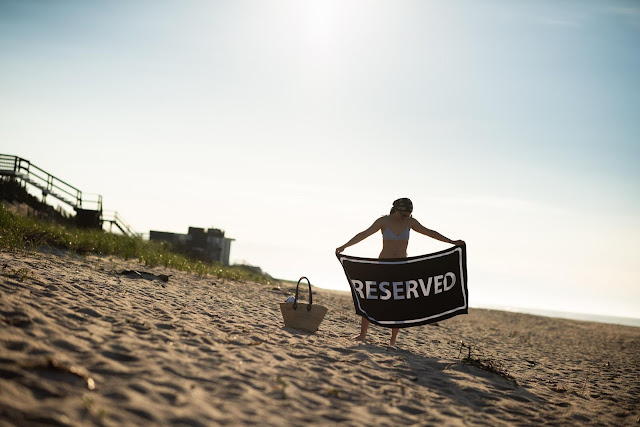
(114, 219)
(50, 185)
(23, 170)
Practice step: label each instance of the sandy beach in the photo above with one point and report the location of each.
(81, 344)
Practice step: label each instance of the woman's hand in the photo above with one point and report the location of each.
(458, 242)
(340, 249)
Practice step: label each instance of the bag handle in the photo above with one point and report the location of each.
(295, 303)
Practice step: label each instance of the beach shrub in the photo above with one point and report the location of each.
(27, 233)
(486, 364)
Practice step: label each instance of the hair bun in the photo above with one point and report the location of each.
(402, 205)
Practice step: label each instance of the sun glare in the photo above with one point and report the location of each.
(328, 25)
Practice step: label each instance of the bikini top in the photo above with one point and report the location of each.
(387, 234)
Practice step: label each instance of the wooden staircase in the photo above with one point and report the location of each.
(88, 207)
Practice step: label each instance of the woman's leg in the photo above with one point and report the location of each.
(394, 334)
(363, 330)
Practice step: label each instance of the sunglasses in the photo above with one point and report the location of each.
(405, 214)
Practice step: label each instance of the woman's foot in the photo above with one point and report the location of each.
(364, 326)
(394, 335)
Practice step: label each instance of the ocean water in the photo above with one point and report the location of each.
(627, 321)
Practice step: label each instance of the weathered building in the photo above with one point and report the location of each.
(209, 244)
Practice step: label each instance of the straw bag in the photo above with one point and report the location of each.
(298, 315)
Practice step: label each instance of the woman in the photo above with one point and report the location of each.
(395, 229)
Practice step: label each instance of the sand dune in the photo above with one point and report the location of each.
(81, 345)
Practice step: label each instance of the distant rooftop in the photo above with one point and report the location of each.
(210, 244)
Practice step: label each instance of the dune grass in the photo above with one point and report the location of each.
(27, 233)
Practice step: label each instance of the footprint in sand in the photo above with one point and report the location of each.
(18, 319)
(15, 345)
(65, 345)
(91, 312)
(120, 357)
(164, 326)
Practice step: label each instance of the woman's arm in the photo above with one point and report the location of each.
(415, 225)
(377, 225)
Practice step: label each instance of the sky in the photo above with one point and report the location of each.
(293, 125)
